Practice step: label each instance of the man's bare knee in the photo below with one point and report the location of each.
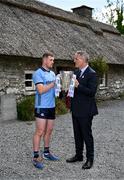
(49, 131)
(40, 132)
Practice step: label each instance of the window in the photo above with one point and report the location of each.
(103, 81)
(29, 85)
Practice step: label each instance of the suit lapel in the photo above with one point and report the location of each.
(77, 73)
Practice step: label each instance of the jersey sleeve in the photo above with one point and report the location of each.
(37, 78)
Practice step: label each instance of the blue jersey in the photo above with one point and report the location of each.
(47, 99)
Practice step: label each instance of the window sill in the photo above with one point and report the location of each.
(103, 88)
(27, 93)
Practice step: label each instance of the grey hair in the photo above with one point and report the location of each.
(84, 54)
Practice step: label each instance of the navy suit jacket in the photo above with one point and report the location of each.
(83, 103)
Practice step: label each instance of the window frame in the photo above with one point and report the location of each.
(104, 81)
(30, 88)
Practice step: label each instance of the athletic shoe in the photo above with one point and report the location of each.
(37, 162)
(51, 157)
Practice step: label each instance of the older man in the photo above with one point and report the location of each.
(83, 108)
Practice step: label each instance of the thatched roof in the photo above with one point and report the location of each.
(28, 28)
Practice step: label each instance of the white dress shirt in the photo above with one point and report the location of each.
(83, 69)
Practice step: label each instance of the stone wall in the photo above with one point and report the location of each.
(12, 73)
(115, 83)
(8, 109)
(12, 76)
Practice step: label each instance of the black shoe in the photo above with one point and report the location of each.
(75, 159)
(88, 164)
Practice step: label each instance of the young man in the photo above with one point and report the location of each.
(44, 80)
(83, 108)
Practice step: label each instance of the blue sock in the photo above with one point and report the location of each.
(46, 149)
(36, 154)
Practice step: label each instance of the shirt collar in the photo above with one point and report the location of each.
(83, 69)
(45, 69)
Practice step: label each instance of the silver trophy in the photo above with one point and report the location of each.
(66, 77)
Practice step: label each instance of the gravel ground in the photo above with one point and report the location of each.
(108, 130)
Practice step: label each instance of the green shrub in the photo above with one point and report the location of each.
(25, 108)
(99, 65)
(61, 107)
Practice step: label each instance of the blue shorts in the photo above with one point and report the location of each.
(45, 113)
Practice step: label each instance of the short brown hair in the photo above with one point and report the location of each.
(46, 54)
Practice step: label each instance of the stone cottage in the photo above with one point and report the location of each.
(29, 28)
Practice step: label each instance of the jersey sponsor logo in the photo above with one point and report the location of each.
(42, 114)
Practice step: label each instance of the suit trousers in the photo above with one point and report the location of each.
(82, 127)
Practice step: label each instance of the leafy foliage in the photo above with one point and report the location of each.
(119, 20)
(113, 14)
(61, 107)
(25, 108)
(99, 65)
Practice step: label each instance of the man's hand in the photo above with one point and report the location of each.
(44, 88)
(52, 84)
(76, 83)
